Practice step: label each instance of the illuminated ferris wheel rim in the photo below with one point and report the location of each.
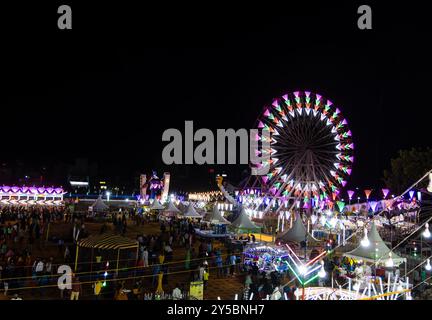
(311, 145)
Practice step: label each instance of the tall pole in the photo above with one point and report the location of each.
(76, 257)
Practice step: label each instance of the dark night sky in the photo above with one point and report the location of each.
(108, 89)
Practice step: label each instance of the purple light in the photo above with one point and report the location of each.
(350, 194)
(385, 192)
(32, 190)
(411, 194)
(373, 205)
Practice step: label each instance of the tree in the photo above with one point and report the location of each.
(407, 168)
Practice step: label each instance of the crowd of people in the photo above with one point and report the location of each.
(22, 232)
(176, 248)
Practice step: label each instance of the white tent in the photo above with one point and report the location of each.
(376, 250)
(171, 208)
(243, 222)
(156, 205)
(216, 217)
(191, 212)
(99, 205)
(297, 233)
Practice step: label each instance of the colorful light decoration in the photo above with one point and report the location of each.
(350, 194)
(312, 112)
(367, 193)
(385, 192)
(411, 194)
(304, 272)
(31, 195)
(373, 205)
(341, 205)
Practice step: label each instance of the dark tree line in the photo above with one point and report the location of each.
(407, 168)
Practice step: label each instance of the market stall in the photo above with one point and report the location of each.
(296, 234)
(190, 213)
(110, 245)
(243, 224)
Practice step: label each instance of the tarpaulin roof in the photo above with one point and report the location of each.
(377, 250)
(108, 241)
(297, 233)
(99, 205)
(243, 222)
(191, 212)
(171, 208)
(156, 205)
(216, 217)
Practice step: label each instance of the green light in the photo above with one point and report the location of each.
(311, 279)
(299, 279)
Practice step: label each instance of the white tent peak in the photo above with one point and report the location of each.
(243, 221)
(156, 205)
(377, 250)
(216, 217)
(297, 233)
(172, 208)
(99, 205)
(191, 212)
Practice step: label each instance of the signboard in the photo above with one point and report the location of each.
(197, 290)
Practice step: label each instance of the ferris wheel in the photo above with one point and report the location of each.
(311, 147)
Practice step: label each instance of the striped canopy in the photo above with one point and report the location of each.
(108, 242)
